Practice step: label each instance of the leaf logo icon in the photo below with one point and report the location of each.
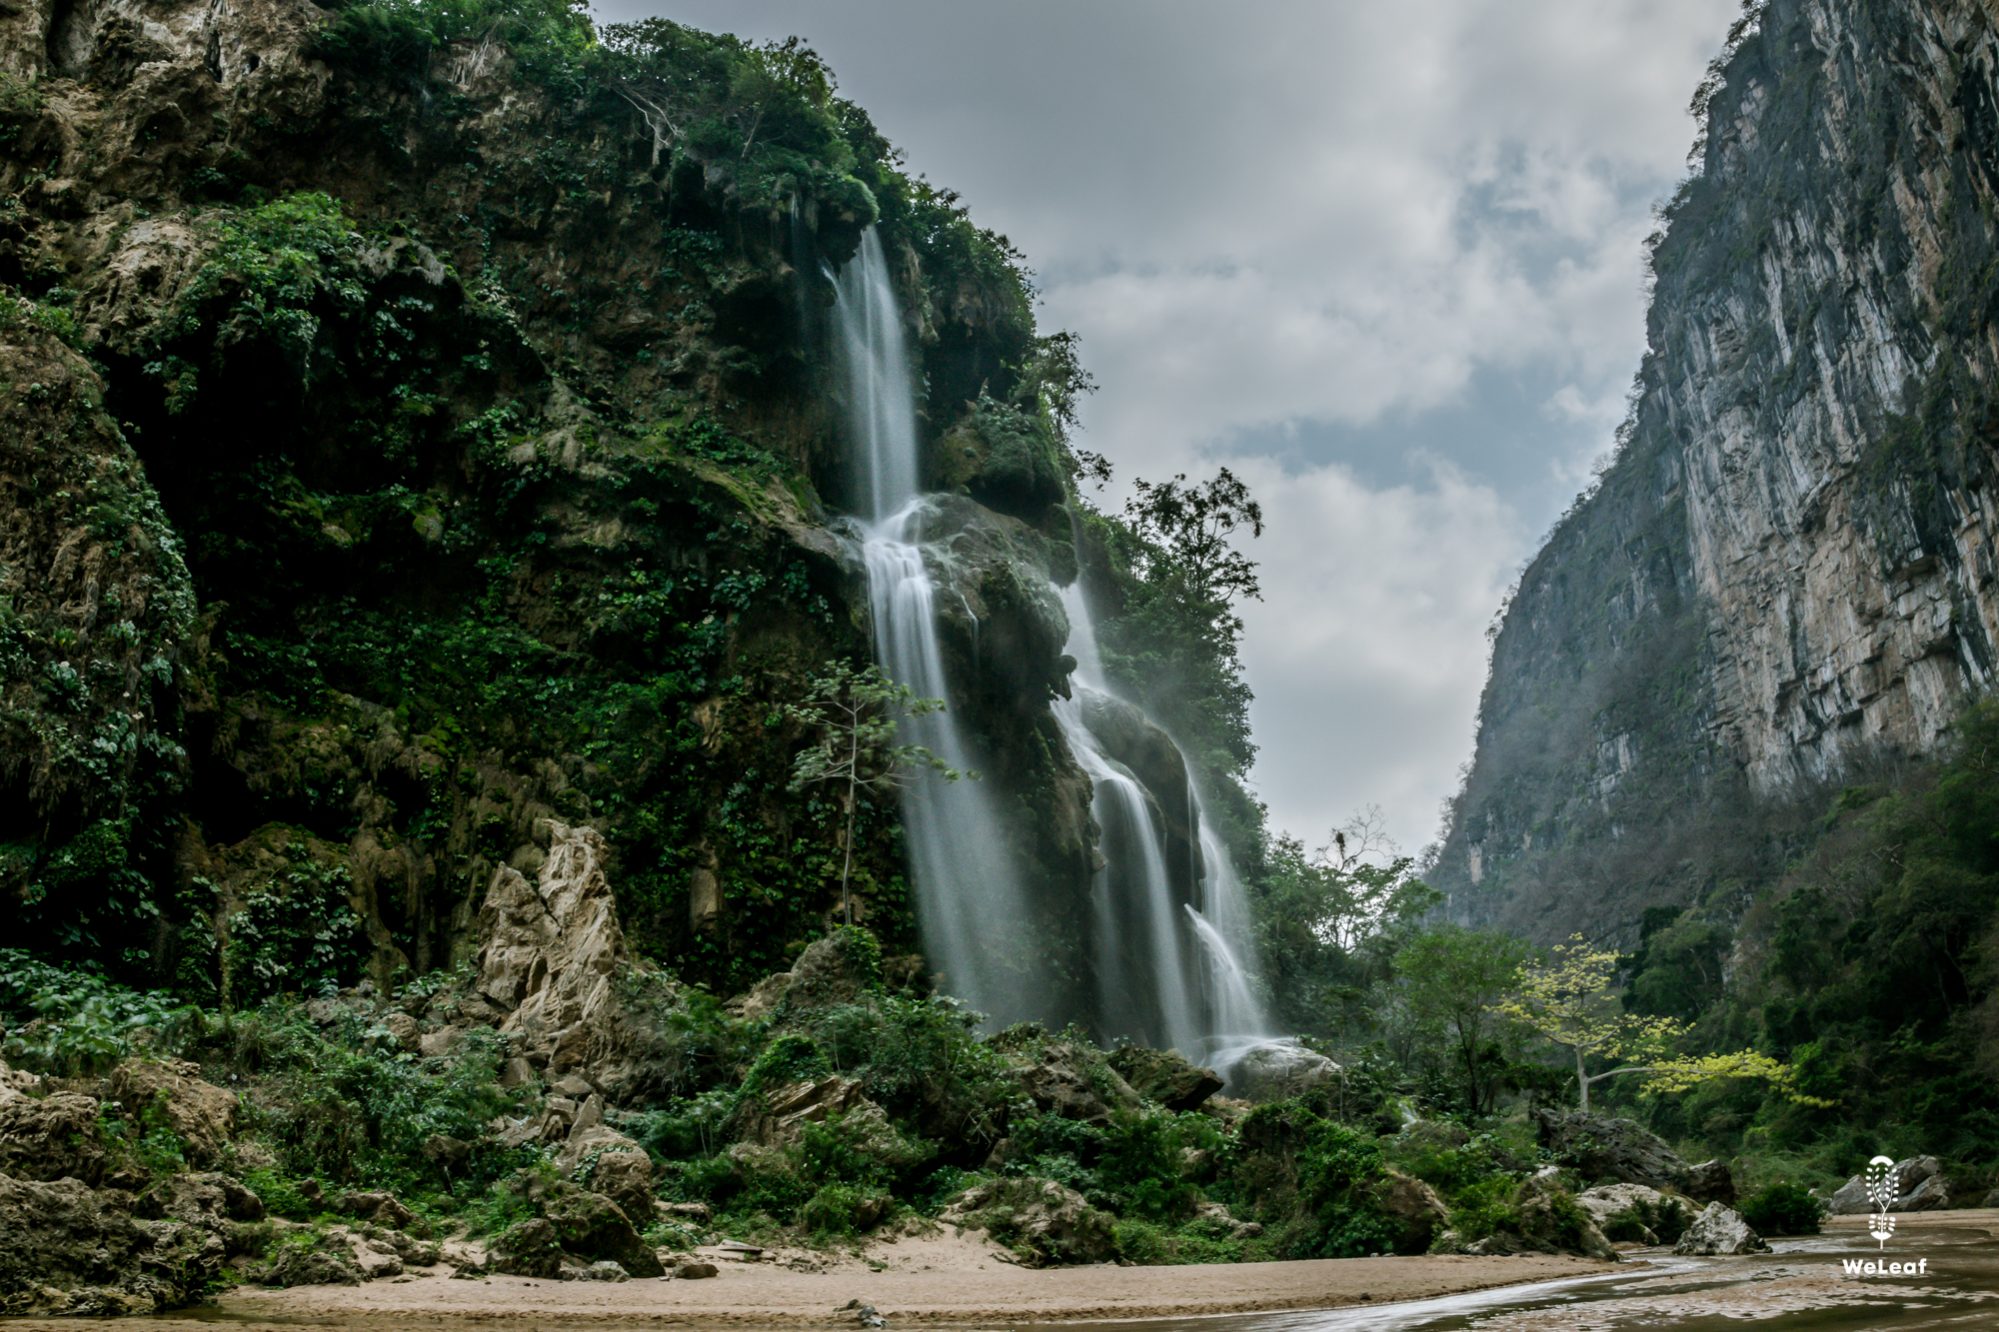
(1881, 1191)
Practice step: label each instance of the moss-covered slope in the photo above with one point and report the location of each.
(428, 427)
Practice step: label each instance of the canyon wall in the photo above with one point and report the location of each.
(1786, 576)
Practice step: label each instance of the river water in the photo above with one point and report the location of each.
(1801, 1286)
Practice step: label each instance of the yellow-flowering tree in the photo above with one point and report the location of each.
(1571, 999)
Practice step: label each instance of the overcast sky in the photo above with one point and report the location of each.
(1383, 259)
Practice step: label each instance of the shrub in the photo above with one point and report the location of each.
(1486, 1208)
(1337, 1176)
(72, 1023)
(1783, 1208)
(300, 934)
(839, 1210)
(346, 1110)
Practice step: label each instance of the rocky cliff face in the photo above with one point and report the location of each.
(421, 426)
(1788, 573)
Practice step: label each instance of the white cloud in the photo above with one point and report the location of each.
(1367, 651)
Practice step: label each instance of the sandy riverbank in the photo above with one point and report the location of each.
(935, 1280)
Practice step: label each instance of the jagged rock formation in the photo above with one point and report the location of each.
(1787, 574)
(551, 954)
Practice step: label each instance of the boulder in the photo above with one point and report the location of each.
(200, 1113)
(614, 1166)
(693, 1269)
(1920, 1186)
(442, 1043)
(1042, 1221)
(1710, 1181)
(302, 1257)
(403, 1029)
(1720, 1229)
(1553, 1222)
(551, 952)
(1414, 1210)
(528, 1249)
(52, 1137)
(1279, 1070)
(776, 1118)
(71, 1250)
(1165, 1076)
(592, 1227)
(1932, 1195)
(383, 1209)
(1631, 1212)
(1605, 1148)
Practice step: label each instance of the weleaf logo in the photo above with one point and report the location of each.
(1881, 1181)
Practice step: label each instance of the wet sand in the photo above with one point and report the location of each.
(938, 1280)
(958, 1280)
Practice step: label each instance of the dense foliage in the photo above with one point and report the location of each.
(1868, 964)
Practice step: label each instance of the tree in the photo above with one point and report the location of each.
(1454, 979)
(1328, 921)
(1177, 636)
(853, 718)
(1571, 999)
(1188, 530)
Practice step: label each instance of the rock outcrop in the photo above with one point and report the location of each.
(1044, 1222)
(1786, 573)
(1720, 1230)
(1606, 1147)
(1919, 1184)
(551, 954)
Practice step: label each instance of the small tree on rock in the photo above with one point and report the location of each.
(853, 718)
(1572, 1000)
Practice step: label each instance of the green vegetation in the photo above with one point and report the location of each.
(851, 717)
(1862, 966)
(1784, 1208)
(1176, 640)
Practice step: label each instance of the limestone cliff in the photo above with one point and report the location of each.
(1787, 573)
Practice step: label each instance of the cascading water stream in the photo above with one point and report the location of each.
(969, 900)
(1195, 981)
(1167, 960)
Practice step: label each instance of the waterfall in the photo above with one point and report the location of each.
(1190, 975)
(1168, 946)
(969, 901)
(874, 362)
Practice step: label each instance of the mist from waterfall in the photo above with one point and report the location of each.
(969, 899)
